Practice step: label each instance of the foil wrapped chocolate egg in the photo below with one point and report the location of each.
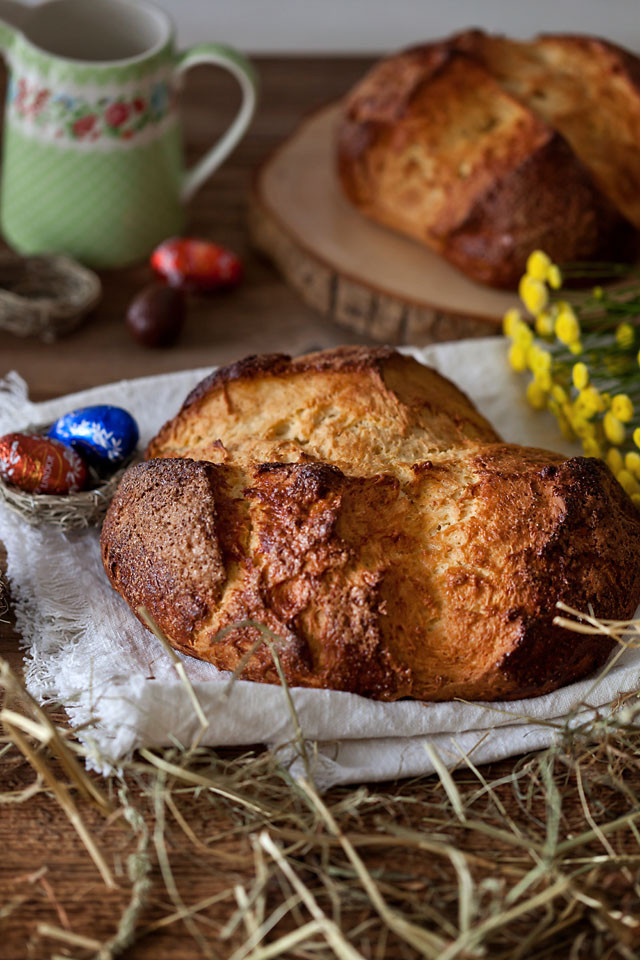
(196, 266)
(104, 435)
(41, 464)
(155, 317)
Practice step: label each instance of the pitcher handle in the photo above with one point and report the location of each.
(239, 66)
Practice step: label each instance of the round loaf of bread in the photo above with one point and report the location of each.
(484, 148)
(358, 505)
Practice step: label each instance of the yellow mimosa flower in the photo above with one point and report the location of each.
(544, 324)
(554, 277)
(536, 396)
(523, 335)
(625, 335)
(537, 358)
(510, 320)
(544, 359)
(591, 447)
(580, 376)
(628, 483)
(632, 462)
(567, 327)
(533, 294)
(538, 264)
(543, 379)
(613, 428)
(559, 393)
(517, 357)
(591, 401)
(622, 408)
(582, 428)
(614, 460)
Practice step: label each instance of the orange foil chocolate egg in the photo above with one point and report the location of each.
(41, 465)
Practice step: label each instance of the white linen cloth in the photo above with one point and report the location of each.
(85, 649)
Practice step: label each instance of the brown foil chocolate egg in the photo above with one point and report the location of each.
(155, 317)
(41, 465)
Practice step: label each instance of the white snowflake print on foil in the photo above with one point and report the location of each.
(101, 437)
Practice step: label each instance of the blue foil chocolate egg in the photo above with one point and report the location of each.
(104, 435)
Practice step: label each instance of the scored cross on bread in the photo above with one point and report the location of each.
(357, 504)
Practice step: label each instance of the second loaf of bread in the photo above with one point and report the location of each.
(485, 149)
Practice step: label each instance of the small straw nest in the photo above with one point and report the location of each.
(71, 511)
(45, 296)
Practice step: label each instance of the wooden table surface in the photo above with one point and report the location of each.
(262, 315)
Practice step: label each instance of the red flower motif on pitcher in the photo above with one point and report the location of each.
(84, 125)
(66, 113)
(39, 101)
(116, 114)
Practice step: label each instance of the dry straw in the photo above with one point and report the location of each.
(530, 859)
(73, 511)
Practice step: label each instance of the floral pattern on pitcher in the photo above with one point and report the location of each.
(73, 117)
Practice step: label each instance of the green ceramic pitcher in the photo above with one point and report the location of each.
(92, 158)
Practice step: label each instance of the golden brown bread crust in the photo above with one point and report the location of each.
(447, 142)
(365, 409)
(394, 543)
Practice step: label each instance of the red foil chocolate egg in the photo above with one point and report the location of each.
(41, 465)
(196, 266)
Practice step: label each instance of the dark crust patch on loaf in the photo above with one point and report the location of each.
(587, 558)
(513, 218)
(312, 583)
(160, 544)
(293, 570)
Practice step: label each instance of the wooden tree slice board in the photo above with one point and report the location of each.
(360, 274)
